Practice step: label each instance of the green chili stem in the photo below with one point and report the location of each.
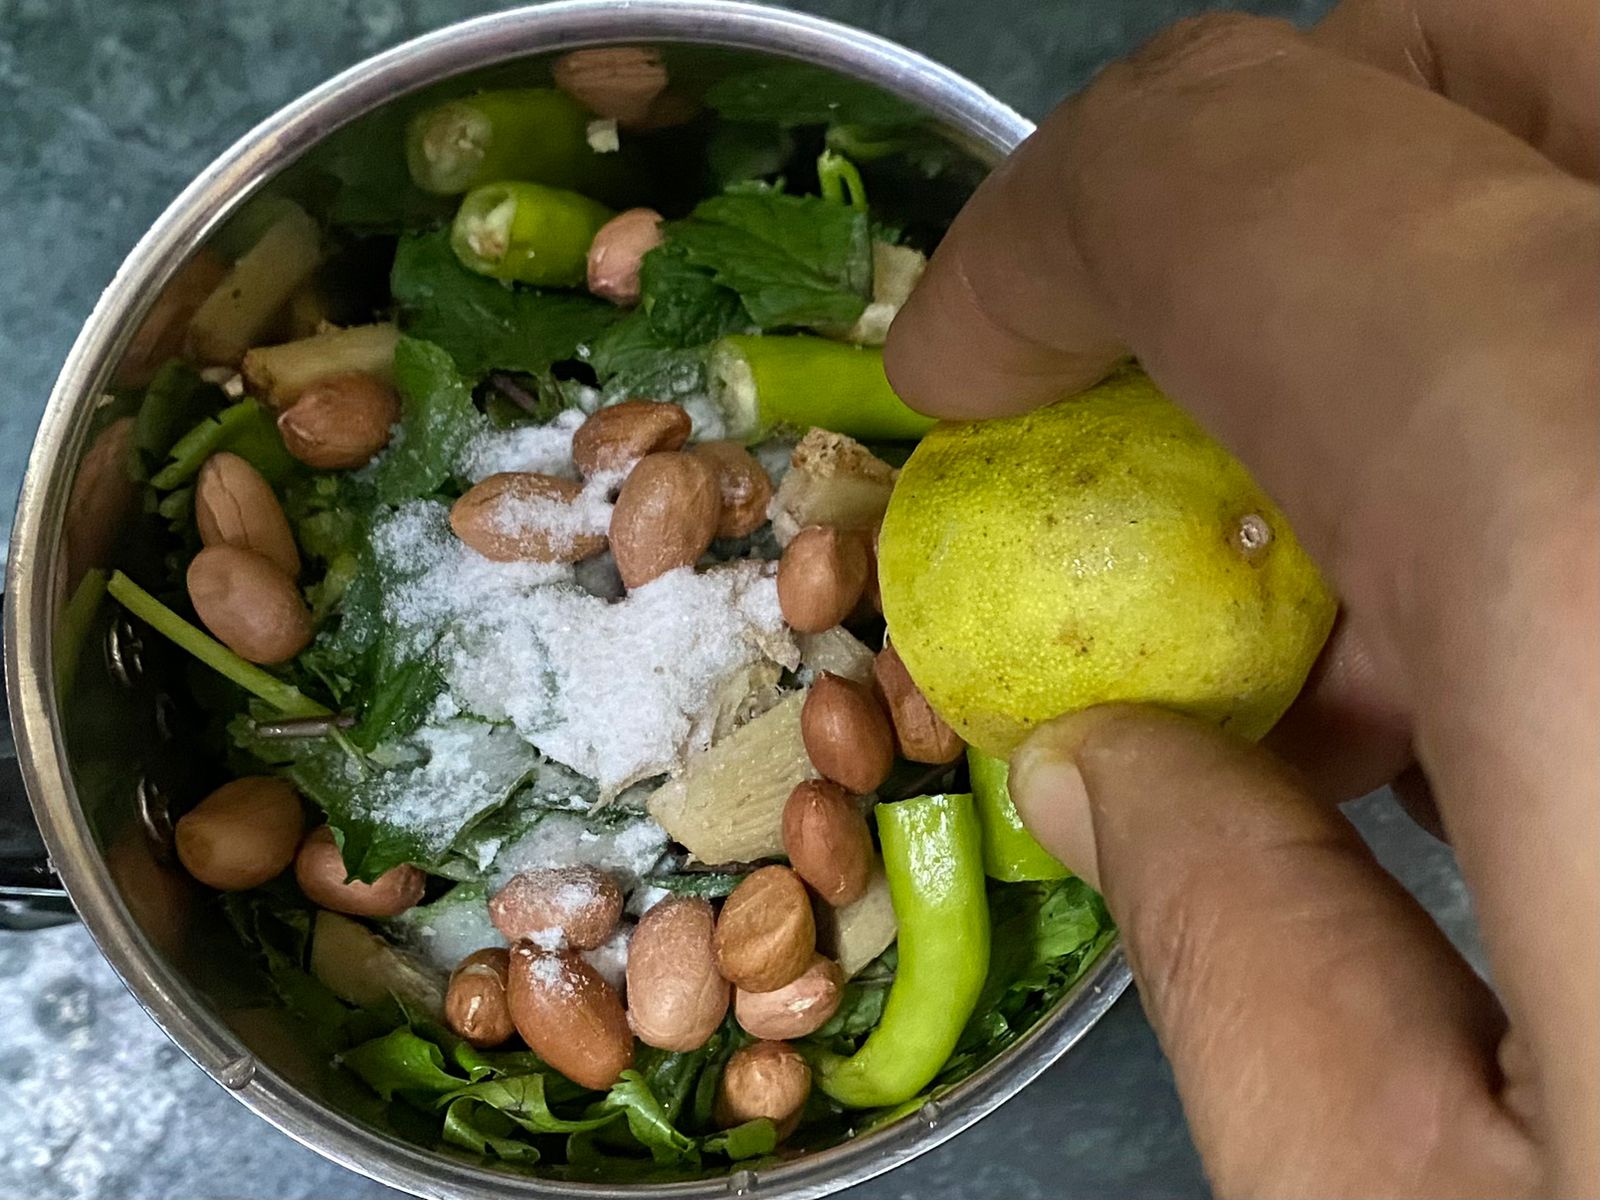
(286, 698)
(837, 175)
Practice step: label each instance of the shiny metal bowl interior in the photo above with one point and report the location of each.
(104, 745)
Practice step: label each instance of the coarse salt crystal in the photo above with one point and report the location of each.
(544, 449)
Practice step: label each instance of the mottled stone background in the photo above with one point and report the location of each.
(110, 107)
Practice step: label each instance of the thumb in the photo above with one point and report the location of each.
(1307, 1004)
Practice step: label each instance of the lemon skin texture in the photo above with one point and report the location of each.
(1103, 548)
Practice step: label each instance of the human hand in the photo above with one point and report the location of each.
(1368, 258)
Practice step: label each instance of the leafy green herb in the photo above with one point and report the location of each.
(708, 885)
(522, 1098)
(631, 359)
(684, 304)
(400, 693)
(1045, 936)
(485, 325)
(174, 401)
(274, 923)
(437, 422)
(245, 428)
(401, 1062)
(739, 151)
(793, 260)
(478, 1127)
(791, 94)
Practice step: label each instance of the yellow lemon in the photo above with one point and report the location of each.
(1100, 549)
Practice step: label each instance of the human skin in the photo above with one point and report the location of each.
(1368, 259)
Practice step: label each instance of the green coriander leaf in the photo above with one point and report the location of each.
(485, 325)
(793, 260)
(750, 1140)
(708, 885)
(175, 401)
(648, 1119)
(522, 1098)
(247, 429)
(437, 422)
(401, 1061)
(482, 1129)
(739, 151)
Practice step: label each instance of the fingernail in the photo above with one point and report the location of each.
(1053, 802)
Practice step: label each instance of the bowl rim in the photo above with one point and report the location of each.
(188, 221)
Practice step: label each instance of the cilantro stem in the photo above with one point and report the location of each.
(73, 627)
(837, 175)
(286, 698)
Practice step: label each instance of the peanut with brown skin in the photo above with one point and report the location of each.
(766, 934)
(764, 1079)
(583, 903)
(235, 506)
(617, 253)
(827, 841)
(921, 733)
(676, 997)
(475, 1005)
(619, 435)
(746, 487)
(340, 422)
(821, 577)
(569, 1015)
(243, 834)
(251, 606)
(797, 1009)
(320, 871)
(619, 82)
(847, 734)
(665, 516)
(499, 517)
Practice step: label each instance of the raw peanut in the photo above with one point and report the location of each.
(241, 835)
(745, 485)
(619, 82)
(620, 435)
(583, 903)
(766, 934)
(616, 253)
(520, 516)
(847, 735)
(319, 869)
(475, 1005)
(665, 516)
(235, 506)
(764, 1079)
(249, 604)
(569, 1015)
(827, 841)
(676, 998)
(340, 422)
(922, 733)
(821, 577)
(796, 1009)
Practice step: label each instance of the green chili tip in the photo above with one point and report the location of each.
(933, 855)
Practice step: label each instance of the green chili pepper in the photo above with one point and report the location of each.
(527, 233)
(536, 134)
(765, 381)
(932, 851)
(1010, 853)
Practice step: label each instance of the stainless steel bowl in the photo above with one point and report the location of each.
(103, 744)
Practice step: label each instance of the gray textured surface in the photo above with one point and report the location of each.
(110, 108)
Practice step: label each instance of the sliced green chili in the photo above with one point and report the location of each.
(536, 134)
(1010, 853)
(933, 854)
(527, 233)
(762, 382)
